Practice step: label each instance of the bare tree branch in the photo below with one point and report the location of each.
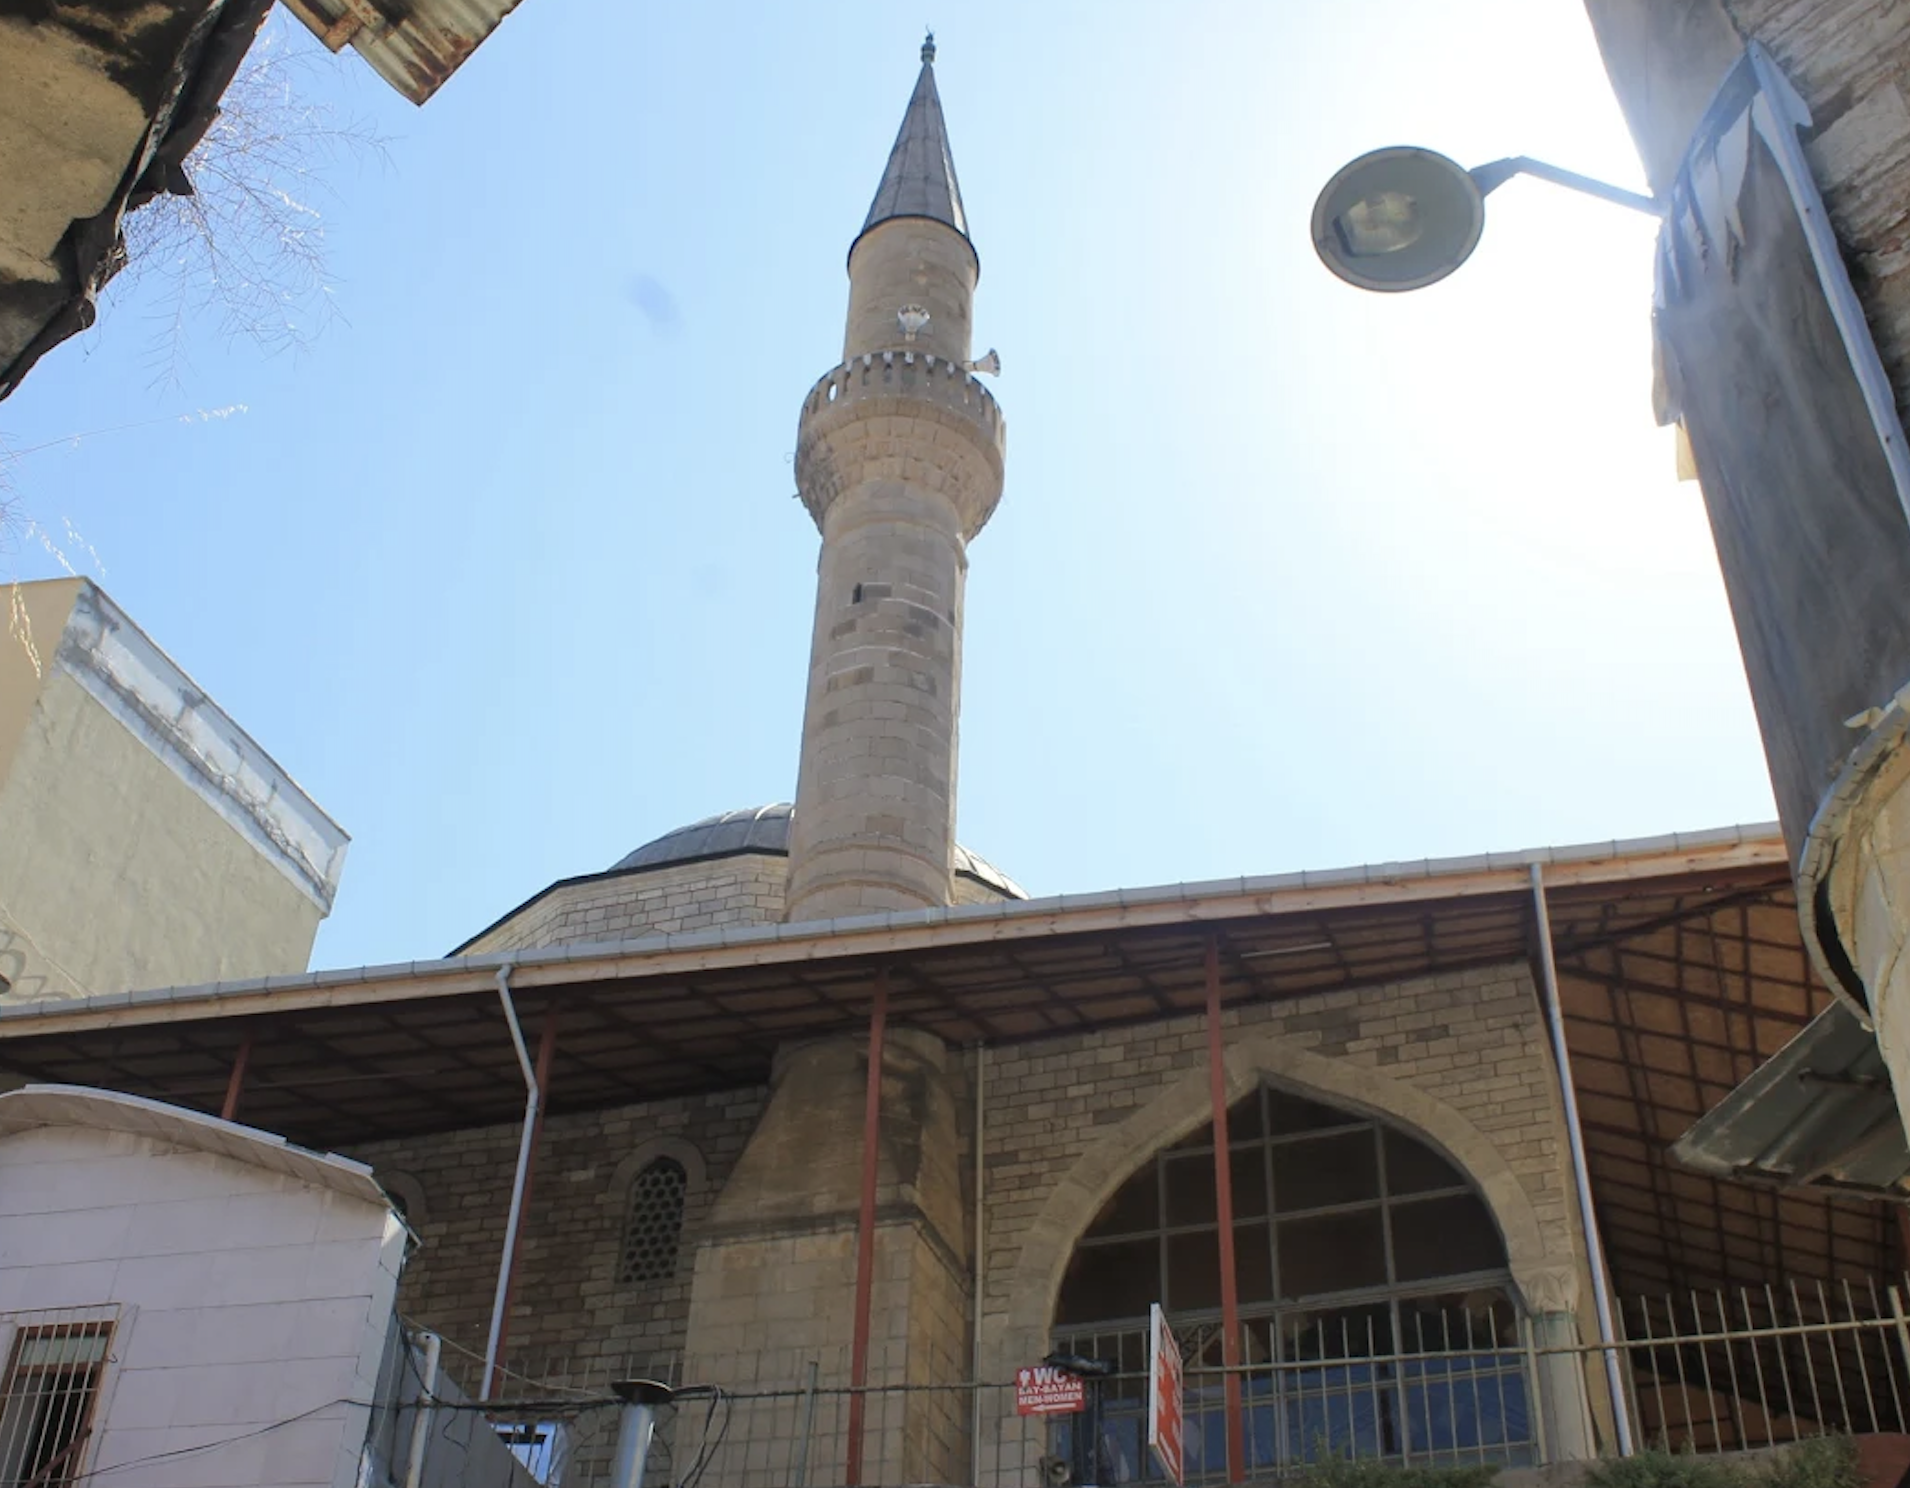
(248, 247)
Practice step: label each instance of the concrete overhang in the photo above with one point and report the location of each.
(102, 105)
(39, 1106)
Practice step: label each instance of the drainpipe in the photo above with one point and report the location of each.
(1581, 1175)
(1224, 1212)
(865, 1233)
(421, 1423)
(981, 1269)
(533, 1110)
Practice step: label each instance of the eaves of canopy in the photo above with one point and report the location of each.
(1681, 970)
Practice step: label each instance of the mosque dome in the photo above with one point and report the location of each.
(765, 829)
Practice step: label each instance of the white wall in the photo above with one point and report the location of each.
(251, 1303)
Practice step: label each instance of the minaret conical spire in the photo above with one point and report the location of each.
(919, 180)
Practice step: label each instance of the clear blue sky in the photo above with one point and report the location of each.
(505, 570)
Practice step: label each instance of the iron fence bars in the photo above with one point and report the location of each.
(1728, 1370)
(1453, 1380)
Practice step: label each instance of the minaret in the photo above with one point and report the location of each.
(899, 460)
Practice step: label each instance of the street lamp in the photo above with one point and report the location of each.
(1403, 217)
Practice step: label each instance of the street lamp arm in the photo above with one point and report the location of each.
(1496, 173)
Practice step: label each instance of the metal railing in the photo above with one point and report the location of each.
(1707, 1372)
(423, 1429)
(1719, 1371)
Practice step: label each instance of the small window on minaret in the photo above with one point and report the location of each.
(856, 598)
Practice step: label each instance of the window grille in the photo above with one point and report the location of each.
(1372, 1282)
(653, 1225)
(46, 1402)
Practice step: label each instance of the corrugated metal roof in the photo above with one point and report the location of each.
(412, 44)
(1818, 1113)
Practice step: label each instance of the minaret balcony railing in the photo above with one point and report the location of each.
(908, 374)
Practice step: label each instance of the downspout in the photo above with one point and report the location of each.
(1224, 1210)
(981, 1268)
(865, 1234)
(421, 1422)
(533, 1105)
(1581, 1174)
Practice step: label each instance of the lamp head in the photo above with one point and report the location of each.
(1399, 218)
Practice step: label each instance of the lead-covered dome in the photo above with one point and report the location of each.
(728, 869)
(765, 829)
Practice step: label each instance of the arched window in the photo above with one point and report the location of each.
(653, 1223)
(1353, 1243)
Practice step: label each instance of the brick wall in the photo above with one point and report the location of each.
(571, 1314)
(1470, 1044)
(1461, 1057)
(743, 890)
(746, 889)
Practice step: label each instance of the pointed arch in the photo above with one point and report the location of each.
(1547, 1279)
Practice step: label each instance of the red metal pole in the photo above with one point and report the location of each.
(546, 1050)
(865, 1232)
(235, 1086)
(1224, 1195)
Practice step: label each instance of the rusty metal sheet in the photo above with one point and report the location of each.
(412, 44)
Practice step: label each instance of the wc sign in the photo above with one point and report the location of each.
(1043, 1390)
(1165, 1421)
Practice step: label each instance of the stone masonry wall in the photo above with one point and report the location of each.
(1461, 1059)
(1473, 1042)
(1069, 1118)
(746, 889)
(743, 890)
(570, 1312)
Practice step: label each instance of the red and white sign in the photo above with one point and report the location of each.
(1164, 1419)
(1043, 1390)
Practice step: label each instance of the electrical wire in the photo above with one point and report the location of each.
(706, 1453)
(568, 1407)
(101, 1472)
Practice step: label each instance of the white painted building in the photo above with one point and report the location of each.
(188, 1303)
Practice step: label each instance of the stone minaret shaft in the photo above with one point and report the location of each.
(899, 460)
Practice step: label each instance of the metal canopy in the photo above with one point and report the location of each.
(1678, 978)
(1821, 1113)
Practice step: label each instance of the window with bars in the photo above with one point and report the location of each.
(653, 1223)
(46, 1402)
(1374, 1293)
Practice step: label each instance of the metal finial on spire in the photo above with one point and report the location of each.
(919, 180)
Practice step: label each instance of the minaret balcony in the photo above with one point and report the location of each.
(905, 415)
